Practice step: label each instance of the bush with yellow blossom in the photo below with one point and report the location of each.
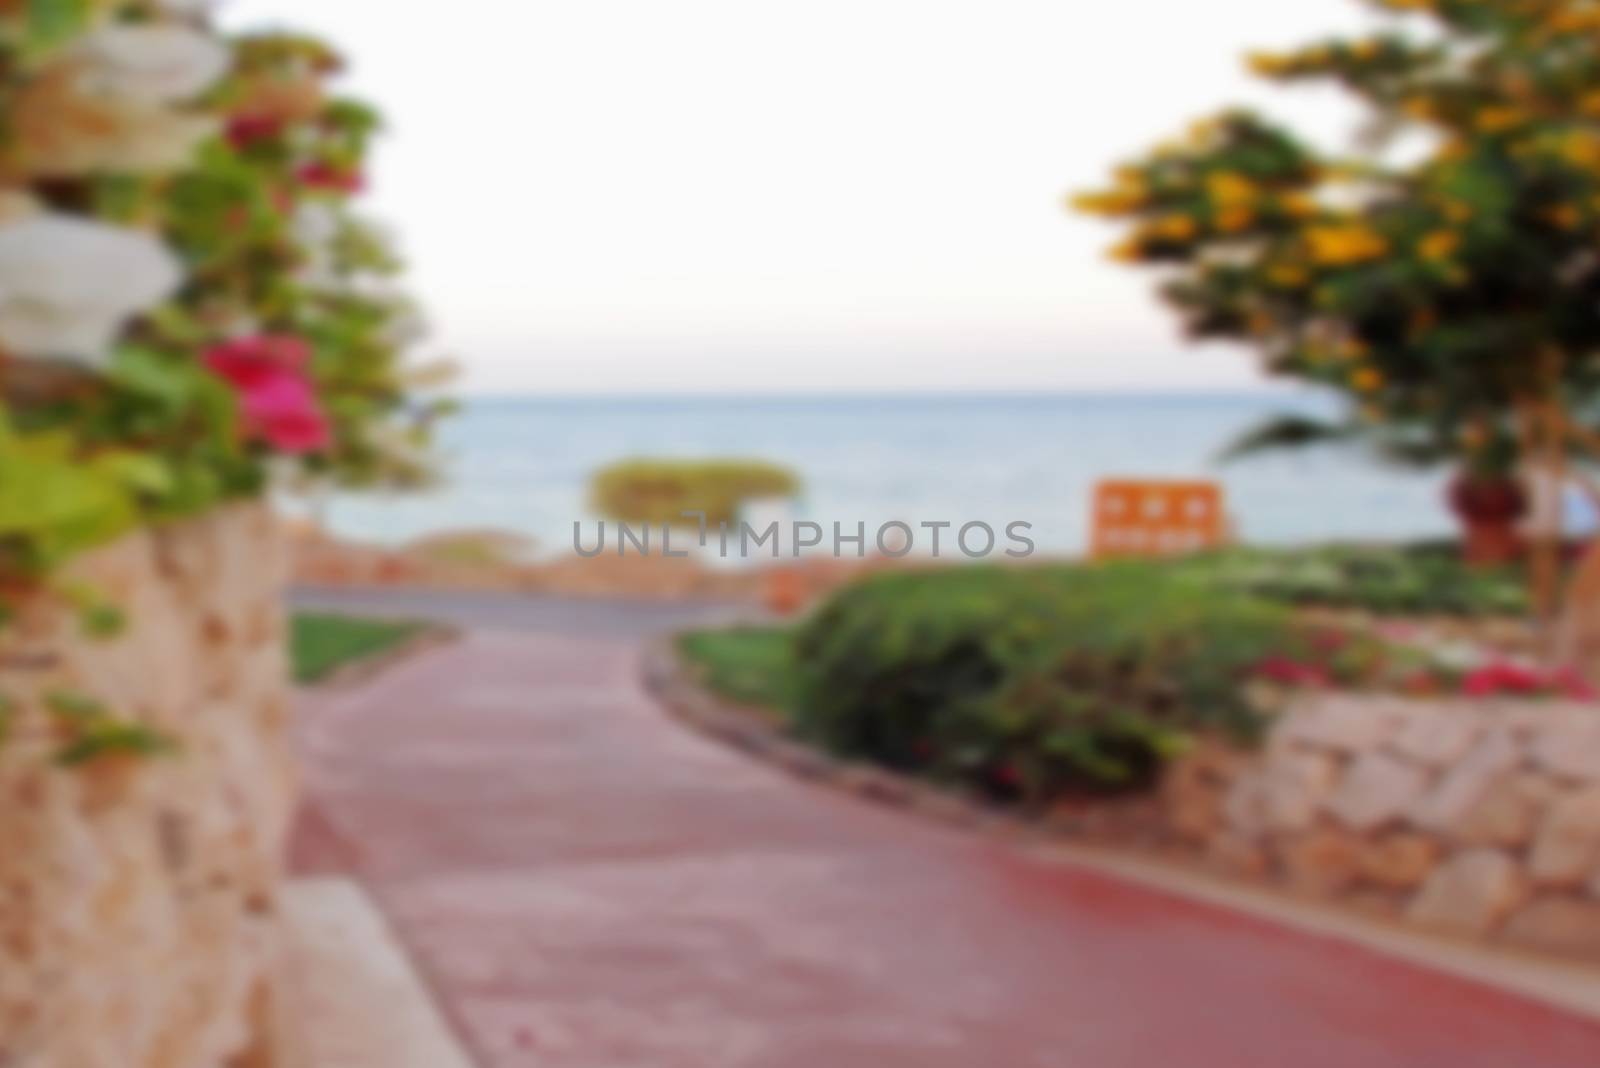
(1455, 298)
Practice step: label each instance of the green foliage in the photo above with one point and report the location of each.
(660, 491)
(1382, 581)
(55, 502)
(753, 666)
(99, 618)
(109, 738)
(262, 223)
(69, 706)
(48, 24)
(89, 731)
(321, 644)
(1031, 684)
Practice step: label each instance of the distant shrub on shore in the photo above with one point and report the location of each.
(661, 491)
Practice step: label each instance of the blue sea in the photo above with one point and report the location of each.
(522, 464)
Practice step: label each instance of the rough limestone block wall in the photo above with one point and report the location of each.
(138, 895)
(1472, 817)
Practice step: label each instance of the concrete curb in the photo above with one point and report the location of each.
(359, 1001)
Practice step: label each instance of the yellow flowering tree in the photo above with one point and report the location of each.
(1455, 299)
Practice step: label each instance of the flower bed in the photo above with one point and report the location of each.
(1031, 684)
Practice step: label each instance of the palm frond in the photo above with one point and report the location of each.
(1288, 432)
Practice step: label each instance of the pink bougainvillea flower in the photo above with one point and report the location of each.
(284, 413)
(248, 362)
(276, 399)
(1502, 678)
(246, 130)
(330, 178)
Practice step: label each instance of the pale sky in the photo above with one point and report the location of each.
(818, 196)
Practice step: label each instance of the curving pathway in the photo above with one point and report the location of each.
(586, 885)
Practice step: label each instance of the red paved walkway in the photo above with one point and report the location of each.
(591, 887)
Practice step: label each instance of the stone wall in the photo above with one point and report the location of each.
(138, 894)
(1471, 817)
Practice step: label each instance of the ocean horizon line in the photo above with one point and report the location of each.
(1151, 393)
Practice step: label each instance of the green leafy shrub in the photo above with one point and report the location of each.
(1031, 684)
(661, 491)
(1380, 580)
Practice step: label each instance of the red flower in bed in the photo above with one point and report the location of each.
(1495, 679)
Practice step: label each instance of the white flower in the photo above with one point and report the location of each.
(317, 223)
(154, 62)
(69, 285)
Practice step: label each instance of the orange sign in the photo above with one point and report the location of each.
(1133, 518)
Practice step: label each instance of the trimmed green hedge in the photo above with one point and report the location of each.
(1032, 684)
(1029, 684)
